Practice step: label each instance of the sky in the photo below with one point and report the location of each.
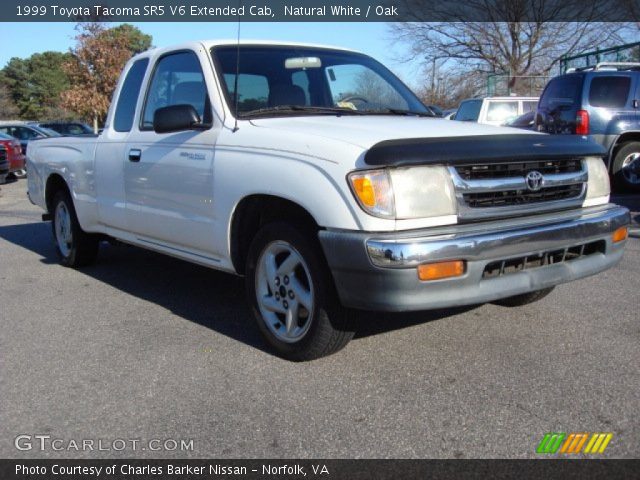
(374, 39)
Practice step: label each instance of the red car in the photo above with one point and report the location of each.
(14, 155)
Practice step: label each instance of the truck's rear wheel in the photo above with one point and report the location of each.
(626, 168)
(75, 247)
(292, 295)
(524, 299)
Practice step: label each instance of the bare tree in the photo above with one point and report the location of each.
(516, 38)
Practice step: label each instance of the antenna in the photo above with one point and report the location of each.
(235, 82)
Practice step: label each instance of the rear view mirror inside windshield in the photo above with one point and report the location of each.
(302, 62)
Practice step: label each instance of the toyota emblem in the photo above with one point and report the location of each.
(534, 180)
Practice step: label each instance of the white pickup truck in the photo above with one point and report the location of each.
(320, 177)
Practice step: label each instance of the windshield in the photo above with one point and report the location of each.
(273, 79)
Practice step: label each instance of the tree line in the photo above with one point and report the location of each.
(77, 84)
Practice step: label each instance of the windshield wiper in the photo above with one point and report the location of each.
(301, 108)
(398, 111)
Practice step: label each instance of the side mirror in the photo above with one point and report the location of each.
(175, 118)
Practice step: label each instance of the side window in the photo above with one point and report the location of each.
(25, 133)
(126, 107)
(74, 129)
(253, 91)
(502, 111)
(609, 91)
(529, 106)
(469, 111)
(177, 80)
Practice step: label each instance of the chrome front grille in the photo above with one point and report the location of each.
(506, 170)
(505, 198)
(503, 189)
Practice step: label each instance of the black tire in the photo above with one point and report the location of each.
(524, 299)
(620, 182)
(83, 247)
(328, 330)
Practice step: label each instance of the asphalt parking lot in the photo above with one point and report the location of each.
(142, 346)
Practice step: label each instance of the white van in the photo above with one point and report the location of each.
(494, 110)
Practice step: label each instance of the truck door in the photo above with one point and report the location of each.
(168, 177)
(109, 164)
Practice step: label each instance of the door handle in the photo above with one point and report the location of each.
(135, 154)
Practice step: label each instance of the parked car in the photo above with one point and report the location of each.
(525, 121)
(602, 103)
(24, 133)
(67, 128)
(4, 164)
(494, 110)
(328, 203)
(14, 155)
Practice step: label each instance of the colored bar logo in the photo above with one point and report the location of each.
(574, 442)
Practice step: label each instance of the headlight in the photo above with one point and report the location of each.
(598, 188)
(405, 193)
(421, 192)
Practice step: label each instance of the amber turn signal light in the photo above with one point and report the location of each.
(364, 191)
(620, 234)
(440, 270)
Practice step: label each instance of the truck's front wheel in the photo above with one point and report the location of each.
(75, 247)
(292, 296)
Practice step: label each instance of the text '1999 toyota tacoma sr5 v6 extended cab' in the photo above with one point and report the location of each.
(317, 174)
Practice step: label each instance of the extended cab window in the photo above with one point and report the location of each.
(177, 80)
(609, 91)
(126, 107)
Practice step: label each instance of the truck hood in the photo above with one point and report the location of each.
(366, 131)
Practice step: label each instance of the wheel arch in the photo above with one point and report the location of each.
(55, 183)
(630, 136)
(254, 211)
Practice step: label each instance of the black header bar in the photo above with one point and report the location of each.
(198, 469)
(320, 10)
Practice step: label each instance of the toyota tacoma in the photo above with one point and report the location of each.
(316, 174)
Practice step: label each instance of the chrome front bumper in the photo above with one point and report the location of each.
(378, 271)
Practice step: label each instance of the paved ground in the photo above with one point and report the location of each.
(141, 346)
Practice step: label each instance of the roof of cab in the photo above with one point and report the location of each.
(225, 42)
